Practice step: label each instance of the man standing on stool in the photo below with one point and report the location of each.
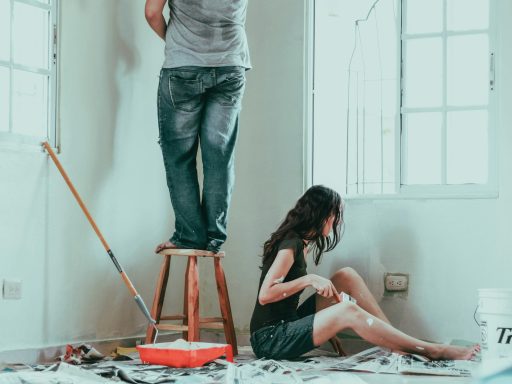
(199, 99)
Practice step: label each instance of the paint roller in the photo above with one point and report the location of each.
(138, 299)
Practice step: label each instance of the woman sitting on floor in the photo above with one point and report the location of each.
(280, 329)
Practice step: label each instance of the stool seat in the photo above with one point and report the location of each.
(190, 252)
(190, 320)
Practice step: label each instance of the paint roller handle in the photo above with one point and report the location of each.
(75, 193)
(124, 276)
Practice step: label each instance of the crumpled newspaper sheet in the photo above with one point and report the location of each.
(81, 354)
(380, 360)
(56, 374)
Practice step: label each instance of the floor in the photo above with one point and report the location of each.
(373, 378)
(327, 378)
(246, 355)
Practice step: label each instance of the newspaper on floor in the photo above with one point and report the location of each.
(136, 372)
(408, 364)
(379, 360)
(219, 371)
(310, 369)
(270, 371)
(82, 353)
(260, 372)
(61, 373)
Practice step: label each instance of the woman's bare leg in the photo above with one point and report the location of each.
(329, 321)
(349, 281)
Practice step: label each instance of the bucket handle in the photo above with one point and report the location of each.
(474, 315)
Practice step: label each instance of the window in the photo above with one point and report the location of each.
(403, 106)
(28, 80)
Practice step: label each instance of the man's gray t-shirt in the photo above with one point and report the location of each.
(206, 33)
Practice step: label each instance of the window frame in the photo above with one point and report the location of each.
(13, 140)
(490, 189)
(449, 191)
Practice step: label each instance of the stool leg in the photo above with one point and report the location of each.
(225, 306)
(158, 299)
(185, 301)
(193, 299)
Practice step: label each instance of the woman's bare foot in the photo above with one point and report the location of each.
(166, 245)
(453, 352)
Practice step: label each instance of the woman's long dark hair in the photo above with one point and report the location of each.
(307, 221)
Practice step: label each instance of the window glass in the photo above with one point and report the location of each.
(372, 154)
(467, 147)
(389, 149)
(424, 73)
(4, 99)
(30, 36)
(5, 30)
(29, 103)
(468, 70)
(467, 14)
(424, 16)
(423, 159)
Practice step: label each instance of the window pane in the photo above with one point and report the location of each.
(354, 120)
(424, 73)
(372, 153)
(424, 16)
(5, 29)
(468, 70)
(467, 14)
(423, 148)
(467, 147)
(390, 94)
(388, 143)
(4, 99)
(30, 36)
(30, 108)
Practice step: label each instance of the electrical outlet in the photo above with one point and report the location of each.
(12, 289)
(396, 282)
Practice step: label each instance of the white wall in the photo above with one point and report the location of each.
(109, 65)
(449, 247)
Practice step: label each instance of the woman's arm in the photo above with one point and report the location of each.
(273, 289)
(154, 16)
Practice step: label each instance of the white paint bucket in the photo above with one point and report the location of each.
(495, 313)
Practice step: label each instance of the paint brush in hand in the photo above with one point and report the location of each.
(344, 297)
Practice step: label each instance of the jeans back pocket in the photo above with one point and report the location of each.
(186, 94)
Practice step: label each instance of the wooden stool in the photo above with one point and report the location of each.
(190, 317)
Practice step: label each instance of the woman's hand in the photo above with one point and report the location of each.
(324, 287)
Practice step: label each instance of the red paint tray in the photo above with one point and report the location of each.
(181, 354)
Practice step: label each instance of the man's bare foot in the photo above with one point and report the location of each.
(166, 245)
(453, 352)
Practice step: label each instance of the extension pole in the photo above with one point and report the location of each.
(124, 276)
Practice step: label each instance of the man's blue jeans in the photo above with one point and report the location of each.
(200, 106)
